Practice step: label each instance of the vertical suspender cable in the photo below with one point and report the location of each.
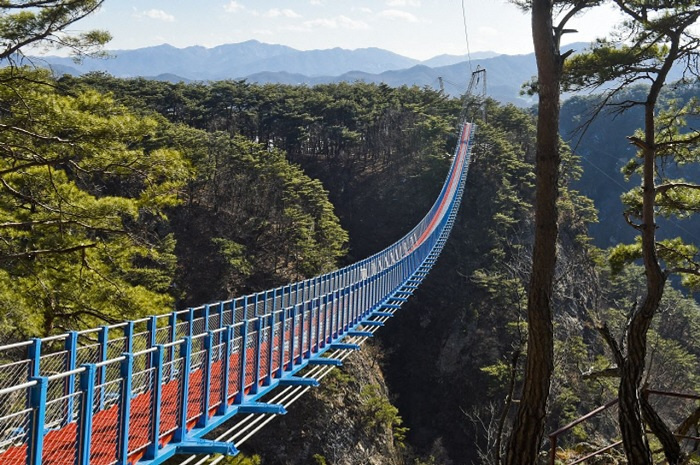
(466, 35)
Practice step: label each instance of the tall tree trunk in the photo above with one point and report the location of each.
(630, 413)
(530, 421)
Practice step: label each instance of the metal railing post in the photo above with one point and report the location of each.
(334, 316)
(292, 337)
(186, 354)
(310, 324)
(283, 341)
(270, 347)
(103, 338)
(225, 370)
(324, 305)
(37, 421)
(34, 356)
(240, 396)
(220, 311)
(246, 317)
(206, 379)
(317, 342)
(156, 400)
(152, 328)
(258, 353)
(87, 402)
(71, 363)
(126, 371)
(172, 321)
(129, 337)
(205, 315)
(302, 326)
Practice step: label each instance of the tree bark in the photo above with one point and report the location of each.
(498, 451)
(530, 421)
(672, 448)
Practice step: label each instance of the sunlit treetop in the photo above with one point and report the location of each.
(42, 23)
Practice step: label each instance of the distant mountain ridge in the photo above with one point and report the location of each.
(232, 61)
(269, 63)
(506, 74)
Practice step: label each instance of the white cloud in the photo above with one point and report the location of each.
(488, 31)
(337, 22)
(400, 15)
(397, 3)
(329, 23)
(233, 6)
(158, 15)
(286, 12)
(349, 23)
(316, 2)
(304, 28)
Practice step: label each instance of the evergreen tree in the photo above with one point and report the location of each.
(656, 36)
(28, 23)
(529, 425)
(82, 196)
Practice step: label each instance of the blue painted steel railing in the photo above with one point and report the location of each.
(145, 390)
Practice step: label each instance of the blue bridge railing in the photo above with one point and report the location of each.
(148, 389)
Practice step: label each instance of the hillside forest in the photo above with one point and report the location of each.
(121, 198)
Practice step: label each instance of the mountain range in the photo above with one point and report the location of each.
(268, 63)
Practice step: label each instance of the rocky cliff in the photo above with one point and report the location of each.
(348, 420)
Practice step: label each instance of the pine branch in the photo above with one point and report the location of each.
(663, 188)
(34, 253)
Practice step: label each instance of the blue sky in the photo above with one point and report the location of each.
(416, 28)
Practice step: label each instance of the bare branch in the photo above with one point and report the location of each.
(690, 140)
(34, 253)
(35, 135)
(604, 331)
(663, 188)
(610, 372)
(629, 221)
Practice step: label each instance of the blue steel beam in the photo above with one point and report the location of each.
(344, 346)
(298, 381)
(204, 446)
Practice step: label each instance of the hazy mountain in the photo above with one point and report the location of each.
(168, 77)
(333, 62)
(505, 75)
(232, 61)
(195, 62)
(266, 63)
(59, 69)
(446, 60)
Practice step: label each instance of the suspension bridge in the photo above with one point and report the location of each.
(143, 391)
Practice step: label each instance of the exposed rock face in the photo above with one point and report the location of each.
(348, 420)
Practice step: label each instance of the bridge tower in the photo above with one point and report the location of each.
(474, 99)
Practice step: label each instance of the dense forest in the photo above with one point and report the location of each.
(344, 170)
(121, 198)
